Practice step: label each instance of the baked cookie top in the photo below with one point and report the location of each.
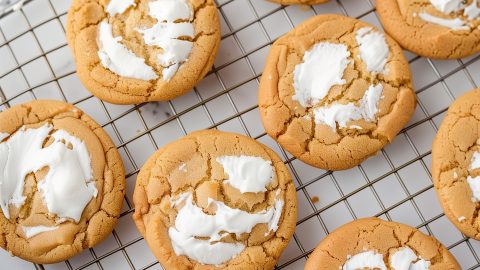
(215, 200)
(147, 50)
(445, 29)
(299, 2)
(456, 163)
(62, 181)
(373, 243)
(334, 91)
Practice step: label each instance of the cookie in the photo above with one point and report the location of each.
(442, 29)
(373, 243)
(300, 2)
(215, 200)
(130, 51)
(456, 163)
(62, 181)
(334, 91)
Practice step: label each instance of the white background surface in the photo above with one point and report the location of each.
(35, 63)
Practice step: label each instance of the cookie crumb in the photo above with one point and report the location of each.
(315, 199)
(462, 218)
(455, 175)
(304, 7)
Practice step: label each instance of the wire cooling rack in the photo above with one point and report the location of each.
(35, 63)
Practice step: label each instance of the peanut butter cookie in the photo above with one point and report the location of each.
(334, 91)
(62, 181)
(215, 200)
(444, 29)
(137, 51)
(456, 163)
(373, 243)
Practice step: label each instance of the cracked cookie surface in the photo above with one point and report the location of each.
(409, 22)
(32, 232)
(455, 172)
(373, 238)
(176, 57)
(291, 121)
(196, 175)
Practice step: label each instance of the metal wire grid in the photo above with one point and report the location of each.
(466, 250)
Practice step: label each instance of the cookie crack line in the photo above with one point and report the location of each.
(405, 84)
(379, 137)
